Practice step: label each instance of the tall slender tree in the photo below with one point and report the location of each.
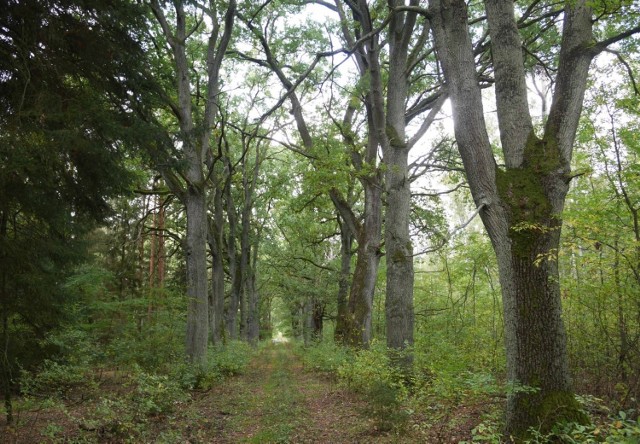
(189, 178)
(388, 115)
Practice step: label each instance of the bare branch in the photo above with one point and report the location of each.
(628, 68)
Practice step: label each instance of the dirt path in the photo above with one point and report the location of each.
(276, 401)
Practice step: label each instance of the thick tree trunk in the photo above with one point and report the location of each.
(535, 339)
(521, 204)
(197, 294)
(363, 286)
(346, 239)
(399, 254)
(398, 246)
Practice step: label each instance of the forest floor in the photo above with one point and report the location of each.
(275, 400)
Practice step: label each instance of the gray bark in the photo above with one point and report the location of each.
(195, 147)
(387, 120)
(216, 246)
(521, 204)
(399, 250)
(346, 245)
(368, 235)
(253, 301)
(196, 258)
(231, 313)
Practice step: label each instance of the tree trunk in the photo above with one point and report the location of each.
(216, 242)
(360, 304)
(253, 301)
(5, 365)
(392, 133)
(196, 259)
(195, 138)
(521, 205)
(245, 257)
(346, 245)
(216, 298)
(317, 320)
(399, 255)
(231, 312)
(535, 339)
(162, 254)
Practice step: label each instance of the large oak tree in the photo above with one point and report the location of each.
(522, 201)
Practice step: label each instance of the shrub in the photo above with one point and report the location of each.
(231, 359)
(54, 379)
(326, 357)
(371, 373)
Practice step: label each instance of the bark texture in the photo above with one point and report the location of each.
(521, 203)
(189, 182)
(216, 247)
(346, 244)
(387, 118)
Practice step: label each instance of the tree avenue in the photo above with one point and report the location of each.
(181, 180)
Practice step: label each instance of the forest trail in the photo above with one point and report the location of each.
(277, 401)
(274, 400)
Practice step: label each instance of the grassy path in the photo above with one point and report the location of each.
(275, 401)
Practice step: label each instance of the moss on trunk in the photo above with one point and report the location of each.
(526, 195)
(540, 412)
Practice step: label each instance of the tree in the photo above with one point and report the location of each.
(189, 180)
(367, 228)
(522, 202)
(388, 113)
(67, 129)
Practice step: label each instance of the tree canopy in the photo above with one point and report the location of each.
(183, 175)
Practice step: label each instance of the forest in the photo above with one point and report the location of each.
(296, 221)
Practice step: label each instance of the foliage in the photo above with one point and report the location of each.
(222, 362)
(368, 372)
(326, 357)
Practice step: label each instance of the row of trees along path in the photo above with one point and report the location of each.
(519, 190)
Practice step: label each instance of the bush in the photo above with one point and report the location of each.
(54, 379)
(125, 416)
(325, 357)
(231, 359)
(371, 373)
(155, 394)
(369, 368)
(222, 362)
(620, 429)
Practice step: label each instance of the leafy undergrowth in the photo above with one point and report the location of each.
(440, 404)
(281, 394)
(77, 403)
(267, 399)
